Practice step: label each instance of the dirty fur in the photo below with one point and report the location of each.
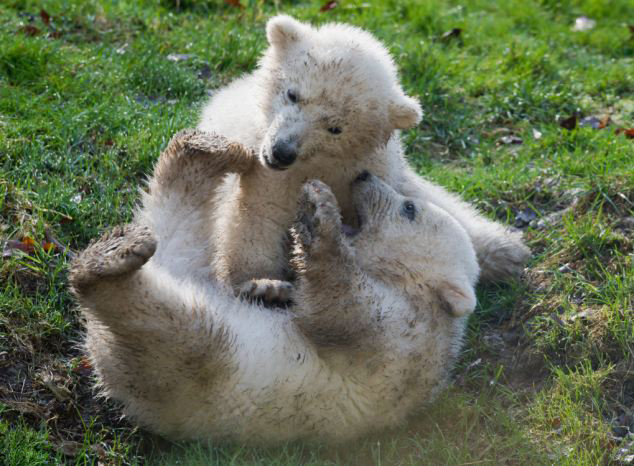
(377, 322)
(309, 82)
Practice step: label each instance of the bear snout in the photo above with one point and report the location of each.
(284, 153)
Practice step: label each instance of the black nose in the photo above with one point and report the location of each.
(363, 176)
(284, 153)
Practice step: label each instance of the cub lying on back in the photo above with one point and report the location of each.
(324, 103)
(377, 324)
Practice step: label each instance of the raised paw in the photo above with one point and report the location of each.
(503, 258)
(209, 154)
(273, 292)
(318, 214)
(122, 250)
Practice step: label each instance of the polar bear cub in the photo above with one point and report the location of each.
(324, 103)
(378, 317)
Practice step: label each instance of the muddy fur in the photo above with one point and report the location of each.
(377, 322)
(309, 83)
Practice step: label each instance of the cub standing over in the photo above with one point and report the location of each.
(376, 325)
(324, 103)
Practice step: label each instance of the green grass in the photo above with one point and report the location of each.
(87, 103)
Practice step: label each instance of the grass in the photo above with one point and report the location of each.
(89, 97)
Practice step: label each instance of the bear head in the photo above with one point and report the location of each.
(332, 91)
(413, 244)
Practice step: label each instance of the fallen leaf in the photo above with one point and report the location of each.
(99, 450)
(46, 18)
(58, 245)
(26, 407)
(26, 245)
(454, 33)
(585, 315)
(30, 30)
(328, 6)
(83, 368)
(605, 121)
(552, 219)
(60, 392)
(48, 247)
(234, 3)
(510, 139)
(569, 123)
(204, 72)
(565, 268)
(176, 57)
(590, 121)
(583, 23)
(628, 132)
(525, 217)
(70, 448)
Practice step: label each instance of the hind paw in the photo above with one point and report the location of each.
(268, 291)
(122, 250)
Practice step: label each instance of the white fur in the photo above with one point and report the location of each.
(342, 77)
(377, 324)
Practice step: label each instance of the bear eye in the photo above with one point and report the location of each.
(409, 210)
(334, 130)
(292, 96)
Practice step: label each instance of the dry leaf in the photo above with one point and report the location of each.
(328, 6)
(84, 368)
(569, 123)
(510, 139)
(30, 30)
(46, 18)
(628, 132)
(605, 121)
(234, 3)
(70, 448)
(454, 33)
(48, 247)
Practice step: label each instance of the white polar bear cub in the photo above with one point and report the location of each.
(376, 324)
(324, 103)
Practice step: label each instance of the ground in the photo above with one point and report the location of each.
(515, 102)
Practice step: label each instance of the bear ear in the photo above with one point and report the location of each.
(457, 298)
(282, 30)
(405, 112)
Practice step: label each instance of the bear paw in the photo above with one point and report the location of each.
(273, 292)
(503, 258)
(122, 250)
(319, 217)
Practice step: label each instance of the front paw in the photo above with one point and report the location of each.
(122, 250)
(217, 151)
(319, 218)
(271, 292)
(503, 258)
